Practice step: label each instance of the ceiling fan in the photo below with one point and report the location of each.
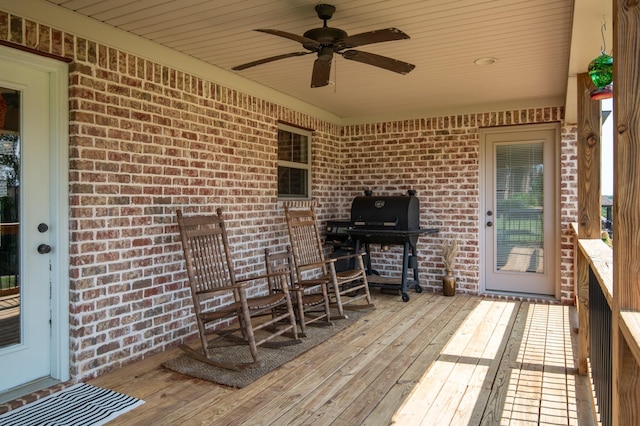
(326, 41)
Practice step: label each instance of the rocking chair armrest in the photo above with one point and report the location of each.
(318, 264)
(296, 289)
(258, 277)
(348, 256)
(243, 282)
(226, 288)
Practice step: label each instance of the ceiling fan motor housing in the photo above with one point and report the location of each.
(326, 35)
(325, 11)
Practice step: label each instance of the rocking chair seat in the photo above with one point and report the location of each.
(254, 304)
(266, 302)
(348, 275)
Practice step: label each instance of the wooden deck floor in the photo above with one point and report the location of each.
(434, 360)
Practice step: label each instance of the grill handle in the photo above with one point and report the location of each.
(386, 224)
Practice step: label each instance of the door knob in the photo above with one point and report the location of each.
(489, 223)
(44, 248)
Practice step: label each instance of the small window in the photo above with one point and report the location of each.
(294, 163)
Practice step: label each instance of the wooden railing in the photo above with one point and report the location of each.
(600, 347)
(596, 312)
(594, 279)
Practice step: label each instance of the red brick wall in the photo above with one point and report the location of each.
(439, 158)
(146, 139)
(568, 208)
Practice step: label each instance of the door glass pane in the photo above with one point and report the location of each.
(519, 199)
(9, 214)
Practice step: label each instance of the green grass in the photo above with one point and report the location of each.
(8, 281)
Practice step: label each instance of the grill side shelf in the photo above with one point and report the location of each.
(391, 232)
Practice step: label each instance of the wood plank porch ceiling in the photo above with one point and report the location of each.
(530, 39)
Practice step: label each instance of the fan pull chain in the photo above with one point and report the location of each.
(335, 77)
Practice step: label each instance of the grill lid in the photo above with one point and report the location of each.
(400, 213)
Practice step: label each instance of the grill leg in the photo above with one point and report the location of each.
(405, 268)
(416, 280)
(367, 250)
(367, 256)
(356, 248)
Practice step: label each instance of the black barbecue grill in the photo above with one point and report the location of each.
(389, 220)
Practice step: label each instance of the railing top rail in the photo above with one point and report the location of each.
(600, 257)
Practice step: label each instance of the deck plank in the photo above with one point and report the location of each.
(500, 401)
(440, 387)
(436, 360)
(475, 399)
(468, 369)
(365, 351)
(374, 381)
(434, 338)
(292, 381)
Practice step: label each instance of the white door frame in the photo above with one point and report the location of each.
(557, 227)
(59, 201)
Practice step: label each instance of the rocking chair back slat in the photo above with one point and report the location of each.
(305, 244)
(208, 263)
(211, 264)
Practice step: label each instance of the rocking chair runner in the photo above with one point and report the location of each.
(311, 302)
(345, 287)
(219, 299)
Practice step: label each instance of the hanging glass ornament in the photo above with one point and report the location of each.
(601, 73)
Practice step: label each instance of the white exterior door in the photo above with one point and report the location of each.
(520, 213)
(28, 227)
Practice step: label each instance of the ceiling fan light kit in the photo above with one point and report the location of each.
(325, 41)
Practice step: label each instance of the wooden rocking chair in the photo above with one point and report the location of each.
(224, 312)
(345, 287)
(311, 302)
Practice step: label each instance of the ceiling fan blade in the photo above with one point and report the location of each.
(321, 72)
(300, 39)
(379, 61)
(269, 59)
(370, 37)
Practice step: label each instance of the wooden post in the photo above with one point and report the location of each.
(589, 225)
(589, 146)
(626, 210)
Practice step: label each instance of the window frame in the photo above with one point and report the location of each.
(295, 165)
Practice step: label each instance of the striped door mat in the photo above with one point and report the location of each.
(79, 404)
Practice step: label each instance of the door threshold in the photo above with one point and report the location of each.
(27, 388)
(524, 297)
